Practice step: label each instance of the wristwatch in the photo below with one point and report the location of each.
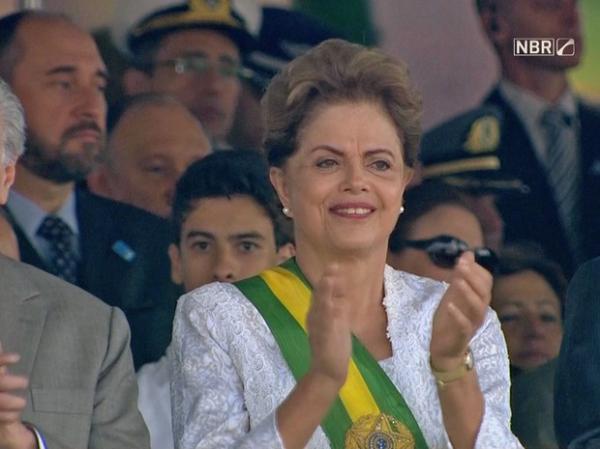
(445, 377)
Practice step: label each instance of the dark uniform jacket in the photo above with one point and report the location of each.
(535, 216)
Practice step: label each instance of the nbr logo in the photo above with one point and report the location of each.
(530, 46)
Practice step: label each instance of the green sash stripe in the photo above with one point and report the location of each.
(387, 396)
(295, 348)
(292, 266)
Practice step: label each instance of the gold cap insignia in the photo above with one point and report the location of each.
(484, 135)
(218, 7)
(216, 12)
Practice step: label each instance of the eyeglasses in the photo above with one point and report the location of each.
(201, 64)
(444, 251)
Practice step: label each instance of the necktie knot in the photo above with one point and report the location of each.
(63, 260)
(53, 229)
(555, 118)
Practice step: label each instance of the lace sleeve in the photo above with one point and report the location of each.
(491, 360)
(207, 394)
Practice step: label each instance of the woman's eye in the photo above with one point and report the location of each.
(381, 165)
(326, 163)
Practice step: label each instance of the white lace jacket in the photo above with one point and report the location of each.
(228, 375)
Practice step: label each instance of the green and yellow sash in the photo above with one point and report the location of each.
(369, 411)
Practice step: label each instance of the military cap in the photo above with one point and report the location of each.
(463, 152)
(284, 35)
(224, 16)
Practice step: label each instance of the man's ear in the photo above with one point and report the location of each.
(7, 182)
(176, 265)
(278, 179)
(135, 82)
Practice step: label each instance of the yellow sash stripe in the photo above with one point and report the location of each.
(296, 297)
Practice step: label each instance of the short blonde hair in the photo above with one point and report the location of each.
(334, 72)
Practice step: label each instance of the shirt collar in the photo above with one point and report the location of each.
(530, 106)
(29, 215)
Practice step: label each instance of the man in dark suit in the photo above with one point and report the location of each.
(577, 384)
(112, 250)
(550, 137)
(68, 351)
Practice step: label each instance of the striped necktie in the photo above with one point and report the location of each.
(63, 260)
(562, 168)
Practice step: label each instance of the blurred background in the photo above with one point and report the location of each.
(436, 37)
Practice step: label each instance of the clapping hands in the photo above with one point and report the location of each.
(328, 325)
(460, 313)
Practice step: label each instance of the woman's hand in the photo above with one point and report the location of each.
(328, 327)
(461, 312)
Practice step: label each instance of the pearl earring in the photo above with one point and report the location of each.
(286, 212)
(401, 209)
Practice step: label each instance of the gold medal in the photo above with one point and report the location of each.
(379, 432)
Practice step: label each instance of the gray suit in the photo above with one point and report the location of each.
(75, 351)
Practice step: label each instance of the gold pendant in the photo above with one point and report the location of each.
(379, 432)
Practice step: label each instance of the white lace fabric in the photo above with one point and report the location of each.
(228, 375)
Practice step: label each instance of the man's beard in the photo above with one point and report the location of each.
(57, 163)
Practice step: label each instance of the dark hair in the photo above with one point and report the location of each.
(334, 72)
(418, 201)
(226, 174)
(529, 256)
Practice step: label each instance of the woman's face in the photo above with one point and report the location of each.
(344, 184)
(446, 219)
(529, 311)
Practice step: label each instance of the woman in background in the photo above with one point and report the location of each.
(436, 229)
(528, 296)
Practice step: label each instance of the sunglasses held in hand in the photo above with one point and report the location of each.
(444, 251)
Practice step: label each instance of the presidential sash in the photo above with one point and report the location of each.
(369, 412)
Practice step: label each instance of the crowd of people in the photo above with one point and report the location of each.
(258, 246)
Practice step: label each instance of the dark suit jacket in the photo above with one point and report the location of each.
(532, 406)
(75, 351)
(535, 216)
(577, 383)
(141, 287)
